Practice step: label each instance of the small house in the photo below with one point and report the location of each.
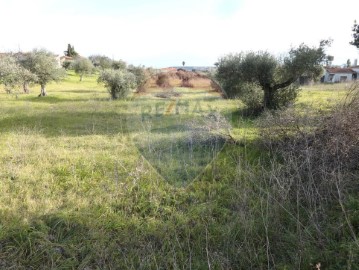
(62, 59)
(338, 75)
(355, 68)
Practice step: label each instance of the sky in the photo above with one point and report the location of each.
(163, 33)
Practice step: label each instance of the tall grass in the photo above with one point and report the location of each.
(79, 190)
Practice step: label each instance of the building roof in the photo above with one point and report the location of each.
(340, 70)
(66, 57)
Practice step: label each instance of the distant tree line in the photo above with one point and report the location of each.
(42, 67)
(259, 79)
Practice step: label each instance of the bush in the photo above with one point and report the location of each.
(286, 96)
(163, 80)
(66, 64)
(142, 78)
(185, 75)
(187, 84)
(312, 185)
(252, 97)
(119, 83)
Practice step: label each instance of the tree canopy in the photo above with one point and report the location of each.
(101, 61)
(355, 30)
(119, 83)
(119, 64)
(44, 65)
(275, 77)
(12, 74)
(71, 51)
(142, 77)
(83, 66)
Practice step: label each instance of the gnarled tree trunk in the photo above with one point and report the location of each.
(269, 92)
(26, 88)
(43, 91)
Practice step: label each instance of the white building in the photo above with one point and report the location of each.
(356, 69)
(336, 75)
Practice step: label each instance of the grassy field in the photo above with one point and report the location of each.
(144, 183)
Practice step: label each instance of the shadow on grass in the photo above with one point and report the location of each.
(96, 239)
(54, 100)
(80, 91)
(60, 123)
(177, 154)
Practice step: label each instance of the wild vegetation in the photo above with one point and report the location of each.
(154, 181)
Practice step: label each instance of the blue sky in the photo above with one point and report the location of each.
(164, 33)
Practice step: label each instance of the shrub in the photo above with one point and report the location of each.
(252, 97)
(185, 75)
(66, 64)
(186, 83)
(163, 80)
(119, 83)
(312, 185)
(142, 78)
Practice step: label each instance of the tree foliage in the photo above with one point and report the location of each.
(43, 64)
(101, 61)
(328, 60)
(12, 74)
(275, 77)
(119, 64)
(71, 51)
(142, 77)
(355, 30)
(119, 83)
(83, 66)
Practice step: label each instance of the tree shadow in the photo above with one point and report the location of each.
(177, 153)
(54, 99)
(67, 123)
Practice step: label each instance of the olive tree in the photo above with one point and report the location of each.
(12, 74)
(43, 64)
(275, 78)
(101, 61)
(119, 83)
(142, 77)
(83, 66)
(119, 64)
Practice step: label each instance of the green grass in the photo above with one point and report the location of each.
(90, 183)
(321, 97)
